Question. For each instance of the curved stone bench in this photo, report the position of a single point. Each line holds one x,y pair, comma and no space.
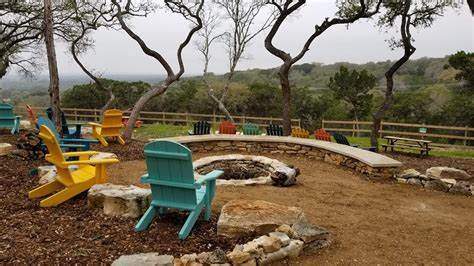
362,161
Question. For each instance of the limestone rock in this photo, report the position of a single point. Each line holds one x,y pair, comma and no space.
245,217
409,173
442,172
449,181
25,124
145,259
5,148
284,239
48,177
271,244
188,259
291,251
437,184
414,181
217,256
238,257
462,188
309,232
401,180
117,200
42,170
286,229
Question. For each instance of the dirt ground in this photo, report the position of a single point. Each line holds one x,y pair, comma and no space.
370,222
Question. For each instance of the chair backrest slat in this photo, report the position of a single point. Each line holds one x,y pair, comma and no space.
43,121
7,118
321,134
341,139
227,127
111,122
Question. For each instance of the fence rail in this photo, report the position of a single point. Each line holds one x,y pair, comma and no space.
79,114
441,135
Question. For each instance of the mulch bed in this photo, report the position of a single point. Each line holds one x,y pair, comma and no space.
73,233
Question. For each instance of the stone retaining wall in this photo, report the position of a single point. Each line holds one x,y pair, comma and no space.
293,149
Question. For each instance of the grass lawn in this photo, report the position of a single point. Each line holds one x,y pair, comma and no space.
166,130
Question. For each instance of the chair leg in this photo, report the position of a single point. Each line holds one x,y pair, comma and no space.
65,194
146,219
45,189
207,213
102,141
121,140
188,225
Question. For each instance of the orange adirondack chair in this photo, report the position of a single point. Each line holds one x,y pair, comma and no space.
226,127
321,134
110,127
68,182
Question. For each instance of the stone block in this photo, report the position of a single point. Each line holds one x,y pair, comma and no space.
118,200
437,184
5,148
145,259
442,172
284,238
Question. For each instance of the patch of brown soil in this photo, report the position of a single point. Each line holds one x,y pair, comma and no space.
423,163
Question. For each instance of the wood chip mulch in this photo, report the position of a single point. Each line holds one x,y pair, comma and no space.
73,233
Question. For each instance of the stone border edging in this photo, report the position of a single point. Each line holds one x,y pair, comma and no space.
362,161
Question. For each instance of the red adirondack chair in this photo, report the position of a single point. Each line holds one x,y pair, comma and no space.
321,134
226,127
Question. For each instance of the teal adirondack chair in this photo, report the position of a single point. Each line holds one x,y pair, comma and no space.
67,143
8,119
171,178
251,129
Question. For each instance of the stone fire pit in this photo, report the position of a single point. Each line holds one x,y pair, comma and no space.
242,170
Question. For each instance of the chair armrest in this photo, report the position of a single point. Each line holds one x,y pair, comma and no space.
144,178
94,124
80,140
209,177
80,153
101,161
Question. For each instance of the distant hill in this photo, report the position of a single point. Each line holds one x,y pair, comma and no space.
417,73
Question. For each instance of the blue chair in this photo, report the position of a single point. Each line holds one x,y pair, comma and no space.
68,143
66,131
7,119
171,178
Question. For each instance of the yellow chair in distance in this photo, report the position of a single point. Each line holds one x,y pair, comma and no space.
69,182
110,127
298,132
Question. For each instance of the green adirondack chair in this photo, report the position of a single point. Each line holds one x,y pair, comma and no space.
251,129
7,119
171,178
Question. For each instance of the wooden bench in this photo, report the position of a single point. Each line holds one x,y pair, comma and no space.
274,130
405,143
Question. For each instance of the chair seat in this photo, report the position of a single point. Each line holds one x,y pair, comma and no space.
84,173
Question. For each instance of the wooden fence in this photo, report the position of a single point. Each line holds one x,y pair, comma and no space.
442,135
78,114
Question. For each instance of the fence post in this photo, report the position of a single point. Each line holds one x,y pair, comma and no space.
214,120
381,128
322,124
75,114
353,128
465,136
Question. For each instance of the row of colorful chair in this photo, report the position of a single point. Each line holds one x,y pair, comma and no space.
170,175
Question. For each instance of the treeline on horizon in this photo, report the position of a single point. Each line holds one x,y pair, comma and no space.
426,92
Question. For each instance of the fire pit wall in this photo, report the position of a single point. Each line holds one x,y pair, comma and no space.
292,149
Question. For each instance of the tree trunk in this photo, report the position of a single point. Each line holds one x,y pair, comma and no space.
52,63
4,63
377,117
286,92
109,101
221,106
127,134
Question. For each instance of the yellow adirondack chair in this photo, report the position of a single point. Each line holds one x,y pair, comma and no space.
69,182
110,127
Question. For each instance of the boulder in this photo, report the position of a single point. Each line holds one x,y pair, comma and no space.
118,200
237,256
246,217
48,173
414,181
145,259
442,172
217,256
409,173
284,238
309,232
437,184
5,148
462,188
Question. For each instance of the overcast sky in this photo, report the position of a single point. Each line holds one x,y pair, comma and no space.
116,53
